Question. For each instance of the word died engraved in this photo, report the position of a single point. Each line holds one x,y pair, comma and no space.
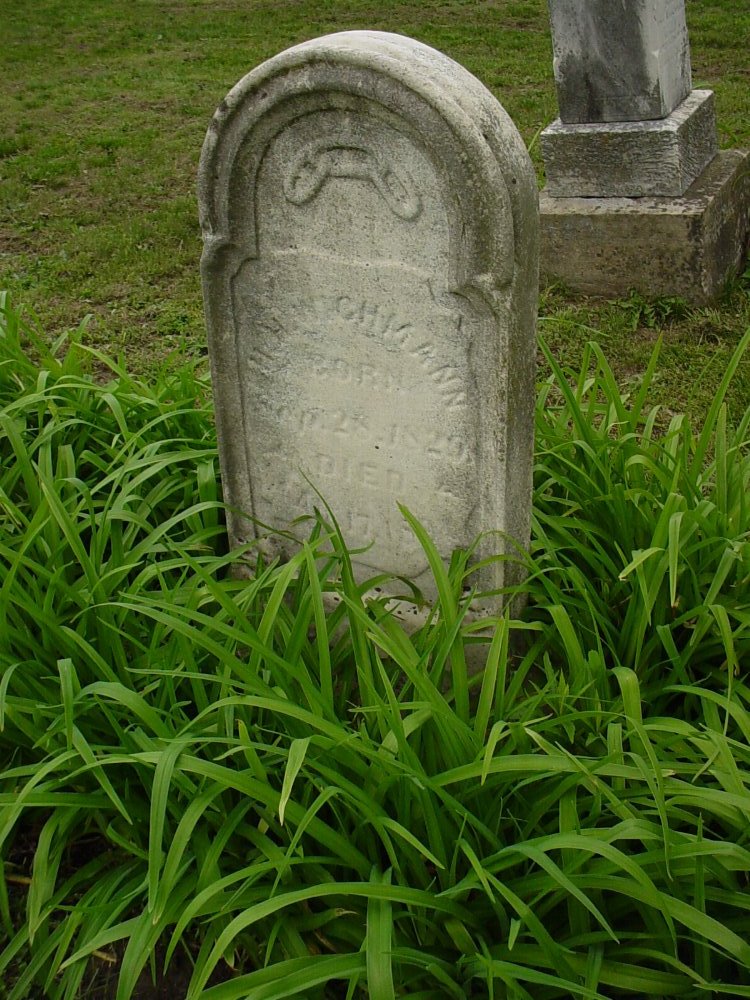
319,161
356,472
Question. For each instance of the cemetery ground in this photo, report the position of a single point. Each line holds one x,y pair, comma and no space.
104,112
271,799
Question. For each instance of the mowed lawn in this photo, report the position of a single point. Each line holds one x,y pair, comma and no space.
103,111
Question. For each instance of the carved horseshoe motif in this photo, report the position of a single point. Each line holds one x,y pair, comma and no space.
318,161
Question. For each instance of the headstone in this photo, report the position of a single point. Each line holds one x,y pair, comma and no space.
619,60
370,279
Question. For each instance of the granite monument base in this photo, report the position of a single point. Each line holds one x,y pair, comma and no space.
687,246
632,159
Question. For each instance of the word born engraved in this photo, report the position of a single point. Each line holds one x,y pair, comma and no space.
318,161
355,373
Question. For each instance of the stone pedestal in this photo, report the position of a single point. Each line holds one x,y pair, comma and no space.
687,246
632,159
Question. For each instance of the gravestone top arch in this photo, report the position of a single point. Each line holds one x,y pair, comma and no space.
370,224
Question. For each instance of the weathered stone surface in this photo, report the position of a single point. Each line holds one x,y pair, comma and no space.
370,279
619,60
686,246
632,159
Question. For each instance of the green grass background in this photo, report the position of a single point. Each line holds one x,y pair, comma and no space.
103,111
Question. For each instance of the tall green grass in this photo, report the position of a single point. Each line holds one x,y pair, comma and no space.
641,528
299,801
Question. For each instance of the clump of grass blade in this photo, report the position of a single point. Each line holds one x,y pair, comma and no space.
642,528
300,799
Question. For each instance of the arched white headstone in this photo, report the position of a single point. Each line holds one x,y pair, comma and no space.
370,221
